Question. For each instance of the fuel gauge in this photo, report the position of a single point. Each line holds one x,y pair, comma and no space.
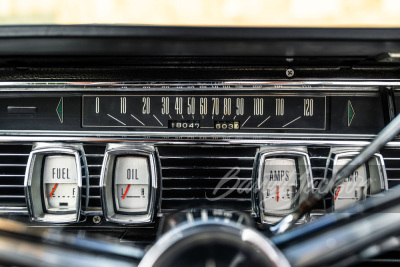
60,184
53,184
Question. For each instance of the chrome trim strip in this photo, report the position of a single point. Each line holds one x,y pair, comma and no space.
188,141
306,84
161,134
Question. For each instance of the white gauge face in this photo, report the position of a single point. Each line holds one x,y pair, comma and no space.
60,186
280,185
131,184
354,187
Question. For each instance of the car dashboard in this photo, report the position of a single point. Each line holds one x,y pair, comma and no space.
128,133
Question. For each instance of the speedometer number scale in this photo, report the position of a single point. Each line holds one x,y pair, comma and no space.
204,112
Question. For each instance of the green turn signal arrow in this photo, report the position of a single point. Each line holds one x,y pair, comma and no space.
60,109
350,113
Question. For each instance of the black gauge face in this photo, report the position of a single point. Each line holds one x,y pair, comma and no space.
209,112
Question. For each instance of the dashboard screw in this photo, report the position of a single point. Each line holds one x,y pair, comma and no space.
289,72
96,219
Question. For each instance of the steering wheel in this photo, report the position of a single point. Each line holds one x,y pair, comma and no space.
217,237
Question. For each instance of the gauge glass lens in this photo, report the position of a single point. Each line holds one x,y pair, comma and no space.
60,184
354,187
131,184
280,185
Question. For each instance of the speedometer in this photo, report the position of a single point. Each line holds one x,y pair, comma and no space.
216,112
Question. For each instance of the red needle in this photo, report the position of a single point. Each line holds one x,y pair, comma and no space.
337,193
54,189
126,191
277,194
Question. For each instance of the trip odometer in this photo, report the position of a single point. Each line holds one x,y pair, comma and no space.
212,112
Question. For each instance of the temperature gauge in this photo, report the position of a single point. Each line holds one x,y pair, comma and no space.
366,180
354,187
284,180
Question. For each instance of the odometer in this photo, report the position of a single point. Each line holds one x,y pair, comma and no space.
212,112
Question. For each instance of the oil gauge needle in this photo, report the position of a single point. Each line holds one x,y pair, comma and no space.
54,189
277,194
126,191
337,193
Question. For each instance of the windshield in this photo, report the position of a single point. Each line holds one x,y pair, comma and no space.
297,13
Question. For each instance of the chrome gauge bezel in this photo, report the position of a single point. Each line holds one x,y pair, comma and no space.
107,188
33,185
337,153
306,181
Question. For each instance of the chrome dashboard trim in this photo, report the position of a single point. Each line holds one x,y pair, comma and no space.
191,141
305,84
183,135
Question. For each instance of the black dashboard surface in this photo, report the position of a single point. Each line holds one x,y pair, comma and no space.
52,78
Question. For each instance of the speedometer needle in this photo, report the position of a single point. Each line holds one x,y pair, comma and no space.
126,191
54,189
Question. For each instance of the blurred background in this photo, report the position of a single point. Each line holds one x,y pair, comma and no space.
311,13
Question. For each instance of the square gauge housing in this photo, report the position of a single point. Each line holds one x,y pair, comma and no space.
53,185
283,180
128,185
367,180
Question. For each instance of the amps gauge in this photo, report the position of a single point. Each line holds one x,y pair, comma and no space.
53,183
366,180
283,180
129,185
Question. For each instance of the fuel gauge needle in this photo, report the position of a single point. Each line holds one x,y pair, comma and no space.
337,193
54,189
126,191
